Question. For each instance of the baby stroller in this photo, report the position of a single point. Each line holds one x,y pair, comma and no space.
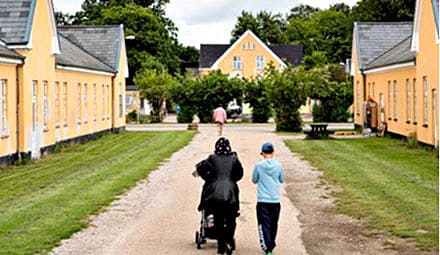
207,230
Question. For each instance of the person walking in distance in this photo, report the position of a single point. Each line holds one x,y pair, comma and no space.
268,174
220,118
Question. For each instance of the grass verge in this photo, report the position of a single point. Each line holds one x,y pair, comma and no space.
393,187
49,199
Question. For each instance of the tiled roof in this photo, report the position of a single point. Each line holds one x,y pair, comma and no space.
292,54
15,16
375,38
131,87
5,52
73,56
209,53
103,42
400,53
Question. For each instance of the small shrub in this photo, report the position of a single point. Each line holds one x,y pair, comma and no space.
411,140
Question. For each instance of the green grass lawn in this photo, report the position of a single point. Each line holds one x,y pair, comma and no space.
49,199
391,186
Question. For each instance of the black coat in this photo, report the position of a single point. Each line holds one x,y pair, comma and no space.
221,173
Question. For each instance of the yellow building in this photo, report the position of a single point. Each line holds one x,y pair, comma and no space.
57,86
247,57
395,66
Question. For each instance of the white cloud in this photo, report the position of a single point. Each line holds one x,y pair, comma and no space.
211,21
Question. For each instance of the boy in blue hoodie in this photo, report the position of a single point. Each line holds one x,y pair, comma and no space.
268,175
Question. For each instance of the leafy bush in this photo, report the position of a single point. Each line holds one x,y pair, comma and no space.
255,95
286,94
202,95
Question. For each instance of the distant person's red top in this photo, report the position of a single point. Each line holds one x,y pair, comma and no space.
220,115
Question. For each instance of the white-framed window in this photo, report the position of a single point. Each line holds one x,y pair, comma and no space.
65,104
84,101
103,101
390,100
369,89
128,100
95,103
45,105
4,105
425,100
78,101
414,101
373,89
408,100
34,105
395,99
358,97
236,63
57,104
260,62
121,102
108,102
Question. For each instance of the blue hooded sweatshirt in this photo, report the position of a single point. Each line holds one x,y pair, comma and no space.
268,175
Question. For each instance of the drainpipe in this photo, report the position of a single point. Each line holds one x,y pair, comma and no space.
113,104
17,74
364,95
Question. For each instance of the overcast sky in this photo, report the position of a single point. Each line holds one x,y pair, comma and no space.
211,21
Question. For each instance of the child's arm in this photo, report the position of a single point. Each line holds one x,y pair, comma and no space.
282,177
255,175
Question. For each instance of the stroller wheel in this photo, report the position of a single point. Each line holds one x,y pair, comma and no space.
198,240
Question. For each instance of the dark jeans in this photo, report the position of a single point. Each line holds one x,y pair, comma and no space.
267,216
224,224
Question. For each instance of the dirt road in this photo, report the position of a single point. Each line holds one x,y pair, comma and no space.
159,216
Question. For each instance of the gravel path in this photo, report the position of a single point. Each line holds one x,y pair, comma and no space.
159,216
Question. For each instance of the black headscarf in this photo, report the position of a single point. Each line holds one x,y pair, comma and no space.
222,146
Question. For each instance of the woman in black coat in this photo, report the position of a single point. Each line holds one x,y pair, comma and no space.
220,193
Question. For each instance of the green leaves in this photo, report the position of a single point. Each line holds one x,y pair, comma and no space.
155,85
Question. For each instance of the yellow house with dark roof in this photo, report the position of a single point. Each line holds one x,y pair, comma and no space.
395,66
57,89
247,58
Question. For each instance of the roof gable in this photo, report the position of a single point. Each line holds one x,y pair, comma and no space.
239,42
73,56
375,38
211,53
103,42
400,53
418,15
16,20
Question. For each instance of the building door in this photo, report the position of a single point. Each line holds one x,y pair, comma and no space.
382,108
435,115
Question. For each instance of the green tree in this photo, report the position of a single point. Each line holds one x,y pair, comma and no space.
335,38
156,87
255,96
267,26
302,11
202,95
286,92
383,10
335,94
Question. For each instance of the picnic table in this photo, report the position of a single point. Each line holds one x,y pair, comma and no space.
318,129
